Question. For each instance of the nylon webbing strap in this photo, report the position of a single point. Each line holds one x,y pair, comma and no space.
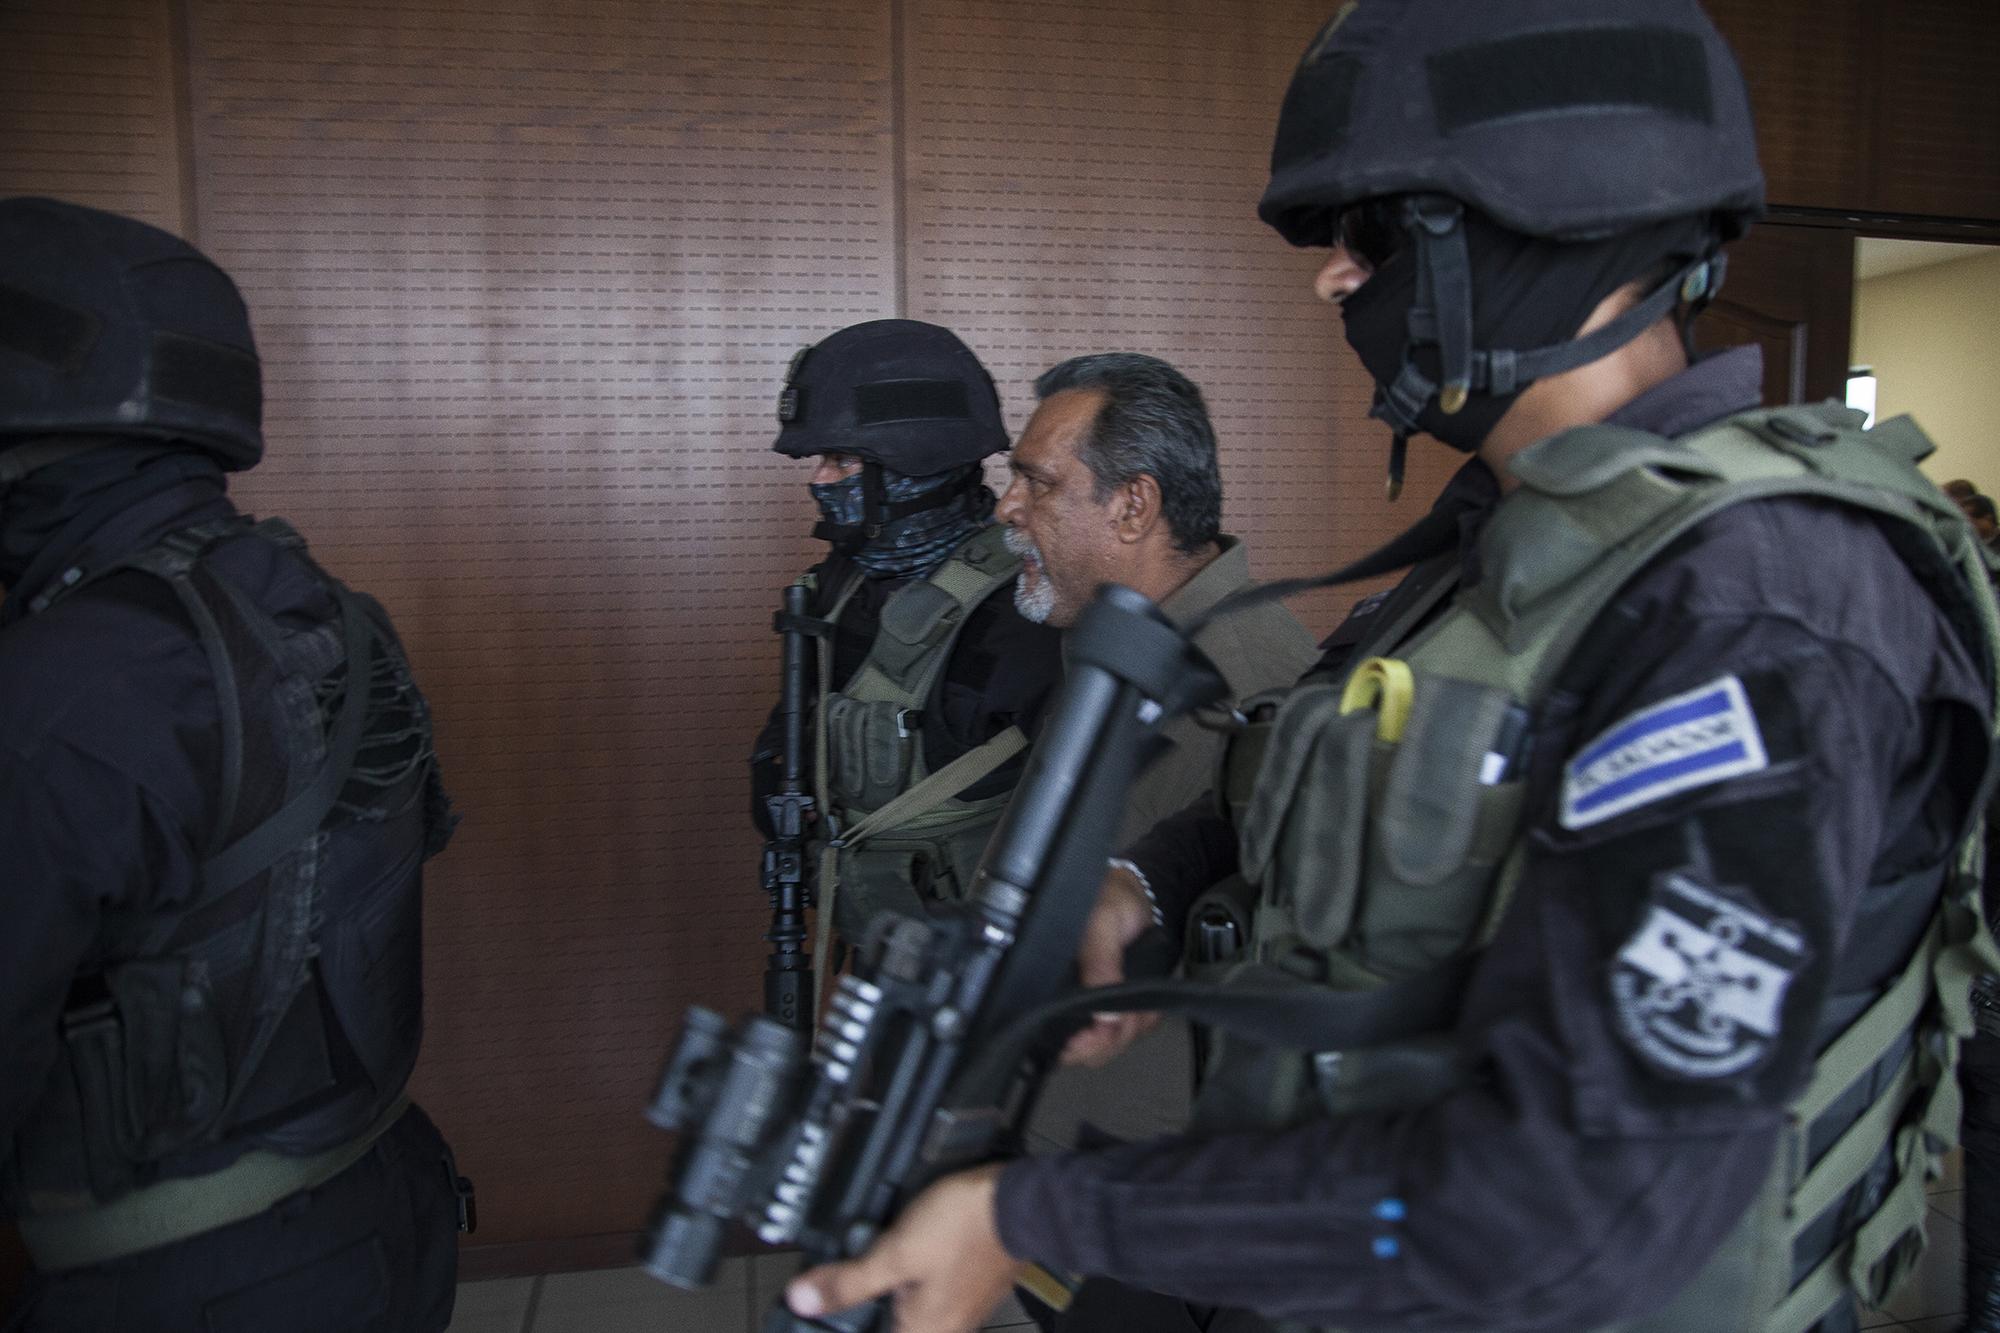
1850,1156
938,788
915,803
827,884
301,816
1435,532
1853,1053
1850,1268
174,1210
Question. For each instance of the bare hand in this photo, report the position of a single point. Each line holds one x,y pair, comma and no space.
1122,912
942,1260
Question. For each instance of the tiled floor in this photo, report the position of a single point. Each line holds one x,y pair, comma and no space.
625,1300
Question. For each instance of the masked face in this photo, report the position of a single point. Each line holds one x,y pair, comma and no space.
1527,293
841,502
933,515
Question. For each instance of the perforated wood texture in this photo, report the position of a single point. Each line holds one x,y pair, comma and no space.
527,278
1084,179
1882,106
91,105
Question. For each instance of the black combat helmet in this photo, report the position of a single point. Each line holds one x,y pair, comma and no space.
1566,121
900,393
112,327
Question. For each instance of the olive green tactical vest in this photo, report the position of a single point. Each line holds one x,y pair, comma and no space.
901,833
1383,831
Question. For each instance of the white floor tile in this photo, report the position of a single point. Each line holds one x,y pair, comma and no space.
628,1300
1938,1286
768,1275
499,1305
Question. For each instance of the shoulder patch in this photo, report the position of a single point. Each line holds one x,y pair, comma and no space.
1698,991
1705,735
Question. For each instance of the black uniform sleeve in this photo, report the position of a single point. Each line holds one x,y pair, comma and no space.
1183,855
1617,1118
1004,670
74,829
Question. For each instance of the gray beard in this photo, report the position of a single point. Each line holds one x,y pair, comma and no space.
1039,603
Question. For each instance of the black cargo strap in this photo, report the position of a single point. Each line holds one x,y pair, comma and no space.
301,816
1434,533
786,622
1284,1015
176,560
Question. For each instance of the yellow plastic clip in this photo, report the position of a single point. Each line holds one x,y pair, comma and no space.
1053,1290
1387,686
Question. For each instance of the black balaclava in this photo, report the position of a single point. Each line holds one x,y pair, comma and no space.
914,541
49,515
1527,293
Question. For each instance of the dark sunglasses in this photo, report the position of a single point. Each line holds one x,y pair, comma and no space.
1372,230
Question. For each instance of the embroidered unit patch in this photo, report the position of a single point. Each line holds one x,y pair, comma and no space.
1687,741
1699,988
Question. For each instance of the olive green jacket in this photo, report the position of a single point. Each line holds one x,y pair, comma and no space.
1258,648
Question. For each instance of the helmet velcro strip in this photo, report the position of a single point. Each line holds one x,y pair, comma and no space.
1572,69
57,335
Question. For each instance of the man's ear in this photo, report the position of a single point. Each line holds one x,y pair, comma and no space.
1137,508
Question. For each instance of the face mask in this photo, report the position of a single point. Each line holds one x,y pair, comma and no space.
914,542
1527,293
841,503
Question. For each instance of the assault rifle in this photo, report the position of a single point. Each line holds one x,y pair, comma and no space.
788,977
931,1052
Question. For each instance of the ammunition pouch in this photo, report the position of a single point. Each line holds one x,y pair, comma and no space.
871,748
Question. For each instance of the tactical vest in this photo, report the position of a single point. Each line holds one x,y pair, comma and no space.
902,835
1383,836
250,1042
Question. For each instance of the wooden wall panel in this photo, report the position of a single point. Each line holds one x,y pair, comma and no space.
1084,179
527,277
1938,148
1805,62
89,106
1873,106
527,274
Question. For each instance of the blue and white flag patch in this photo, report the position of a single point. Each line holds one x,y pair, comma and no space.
1691,740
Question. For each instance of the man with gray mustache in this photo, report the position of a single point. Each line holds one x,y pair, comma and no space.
1115,481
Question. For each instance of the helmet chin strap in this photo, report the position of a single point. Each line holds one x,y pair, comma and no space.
1441,317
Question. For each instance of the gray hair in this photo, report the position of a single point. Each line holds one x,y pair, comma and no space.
1153,423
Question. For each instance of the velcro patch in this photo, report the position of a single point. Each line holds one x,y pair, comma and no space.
1690,740
1699,988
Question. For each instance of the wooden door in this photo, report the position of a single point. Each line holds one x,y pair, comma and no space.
1790,290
